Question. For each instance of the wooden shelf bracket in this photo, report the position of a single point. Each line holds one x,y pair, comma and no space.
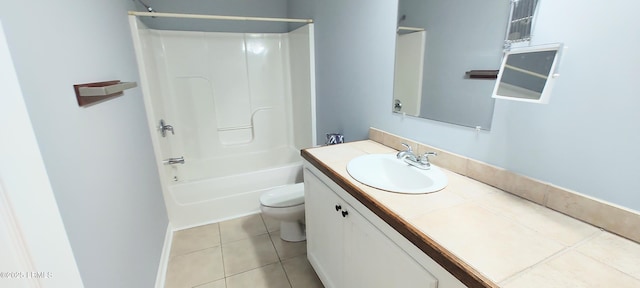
91,93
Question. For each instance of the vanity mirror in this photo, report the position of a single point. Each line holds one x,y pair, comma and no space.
458,36
527,74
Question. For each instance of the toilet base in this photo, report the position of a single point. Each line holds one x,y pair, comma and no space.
292,231
291,221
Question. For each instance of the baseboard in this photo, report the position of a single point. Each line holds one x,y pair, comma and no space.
164,257
217,220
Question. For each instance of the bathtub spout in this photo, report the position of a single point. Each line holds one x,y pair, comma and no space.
172,161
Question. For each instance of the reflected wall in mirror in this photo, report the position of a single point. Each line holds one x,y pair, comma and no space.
459,36
527,74
407,88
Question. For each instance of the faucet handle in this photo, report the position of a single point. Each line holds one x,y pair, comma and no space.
164,128
407,146
425,157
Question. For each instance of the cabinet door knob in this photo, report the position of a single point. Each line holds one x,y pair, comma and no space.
338,207
345,213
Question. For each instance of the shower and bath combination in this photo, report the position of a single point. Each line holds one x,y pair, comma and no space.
236,109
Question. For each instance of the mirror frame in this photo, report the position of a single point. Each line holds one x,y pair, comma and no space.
551,76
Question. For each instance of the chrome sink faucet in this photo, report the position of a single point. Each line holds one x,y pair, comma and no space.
420,162
406,153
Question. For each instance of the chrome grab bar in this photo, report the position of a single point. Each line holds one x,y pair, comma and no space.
173,161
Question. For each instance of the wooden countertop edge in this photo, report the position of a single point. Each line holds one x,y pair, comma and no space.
458,268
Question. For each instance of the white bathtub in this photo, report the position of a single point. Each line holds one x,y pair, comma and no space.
212,200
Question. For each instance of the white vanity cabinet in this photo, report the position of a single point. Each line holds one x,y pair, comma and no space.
346,249
325,230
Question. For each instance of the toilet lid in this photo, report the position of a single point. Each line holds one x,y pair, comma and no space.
285,196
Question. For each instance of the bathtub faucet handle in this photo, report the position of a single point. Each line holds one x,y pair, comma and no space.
165,127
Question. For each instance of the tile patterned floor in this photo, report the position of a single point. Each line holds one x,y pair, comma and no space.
243,252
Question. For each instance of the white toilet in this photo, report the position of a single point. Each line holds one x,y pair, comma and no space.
286,204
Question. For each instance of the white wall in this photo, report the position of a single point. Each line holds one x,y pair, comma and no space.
409,65
585,139
354,42
99,159
29,241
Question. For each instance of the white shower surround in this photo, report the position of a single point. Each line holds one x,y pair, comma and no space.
242,106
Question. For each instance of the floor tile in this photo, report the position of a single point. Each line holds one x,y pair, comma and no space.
286,249
194,239
243,255
615,251
215,284
272,224
242,228
573,269
269,276
300,273
195,268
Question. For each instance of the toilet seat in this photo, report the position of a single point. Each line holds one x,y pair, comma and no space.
285,196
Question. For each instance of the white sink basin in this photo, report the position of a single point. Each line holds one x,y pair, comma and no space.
386,172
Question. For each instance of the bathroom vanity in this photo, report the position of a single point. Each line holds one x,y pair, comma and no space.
467,235
349,245
347,250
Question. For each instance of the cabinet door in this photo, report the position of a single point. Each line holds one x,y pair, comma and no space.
373,260
366,256
346,250
324,227
406,272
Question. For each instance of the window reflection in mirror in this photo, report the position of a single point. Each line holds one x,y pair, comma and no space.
527,74
460,36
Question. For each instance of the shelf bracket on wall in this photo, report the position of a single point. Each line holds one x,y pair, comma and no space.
481,74
91,93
